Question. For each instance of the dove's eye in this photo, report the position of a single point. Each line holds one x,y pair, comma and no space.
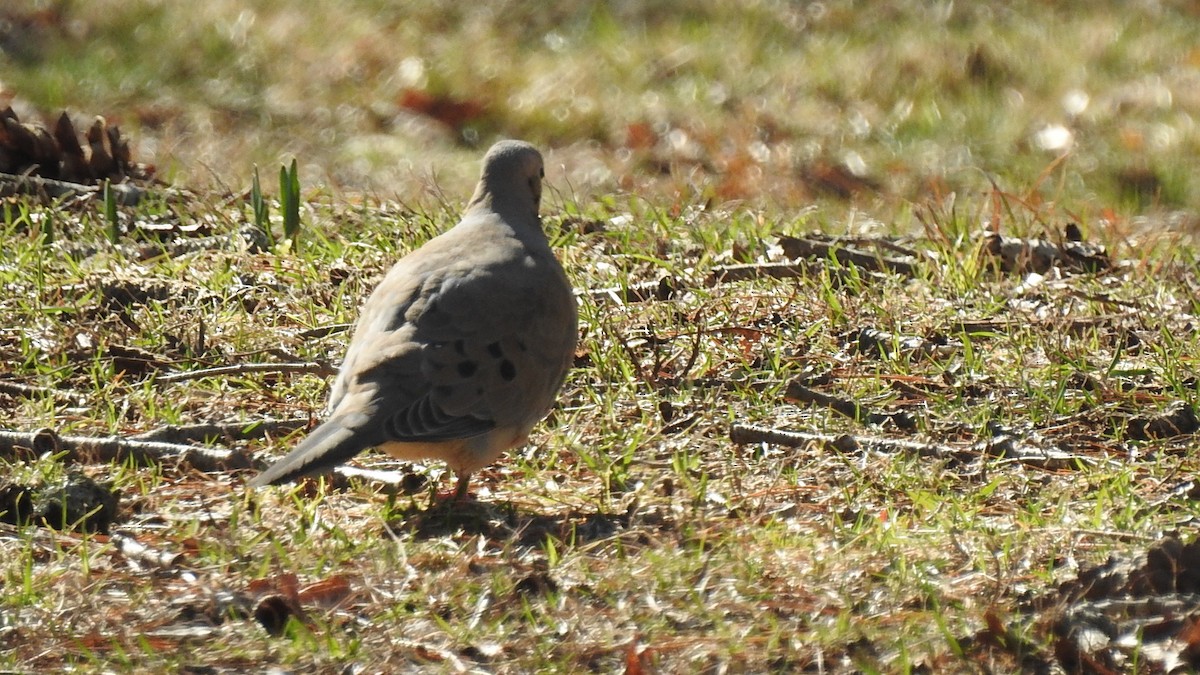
541,173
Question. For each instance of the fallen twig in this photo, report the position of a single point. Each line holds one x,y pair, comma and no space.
1030,449
34,391
773,270
317,368
392,482
744,434
11,184
46,539
92,449
797,392
140,553
878,343
1072,325
232,431
322,331
1001,447
803,247
890,243
668,287
1022,256
248,237
663,289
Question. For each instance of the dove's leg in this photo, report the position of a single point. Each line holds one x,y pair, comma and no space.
460,491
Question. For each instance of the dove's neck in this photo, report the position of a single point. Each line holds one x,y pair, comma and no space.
513,207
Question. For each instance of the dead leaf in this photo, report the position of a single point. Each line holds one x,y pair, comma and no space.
326,593
454,113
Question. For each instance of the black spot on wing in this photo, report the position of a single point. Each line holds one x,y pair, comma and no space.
507,370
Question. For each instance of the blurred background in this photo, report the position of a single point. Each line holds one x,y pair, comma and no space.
874,106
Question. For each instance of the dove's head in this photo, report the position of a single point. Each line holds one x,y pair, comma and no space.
511,183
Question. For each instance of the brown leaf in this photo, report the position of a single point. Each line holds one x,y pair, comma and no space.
450,111
633,659
287,583
327,592
996,632
640,136
1190,635
837,180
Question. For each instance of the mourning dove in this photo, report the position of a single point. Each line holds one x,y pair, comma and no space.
462,347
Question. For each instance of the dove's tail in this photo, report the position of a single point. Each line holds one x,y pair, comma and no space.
329,445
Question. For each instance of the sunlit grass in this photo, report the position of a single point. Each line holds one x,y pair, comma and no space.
680,138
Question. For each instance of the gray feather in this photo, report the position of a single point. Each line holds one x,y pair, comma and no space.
327,446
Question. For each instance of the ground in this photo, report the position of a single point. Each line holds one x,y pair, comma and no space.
887,356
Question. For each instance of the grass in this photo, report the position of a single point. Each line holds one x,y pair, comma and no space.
620,532
715,101
632,534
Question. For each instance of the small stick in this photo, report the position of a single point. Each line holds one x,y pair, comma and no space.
663,289
1073,325
247,368
890,243
799,393
1003,448
11,184
136,551
93,449
322,331
248,236
744,434
771,270
669,287
34,391
234,431
799,247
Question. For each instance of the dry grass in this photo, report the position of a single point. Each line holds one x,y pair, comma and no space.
633,534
